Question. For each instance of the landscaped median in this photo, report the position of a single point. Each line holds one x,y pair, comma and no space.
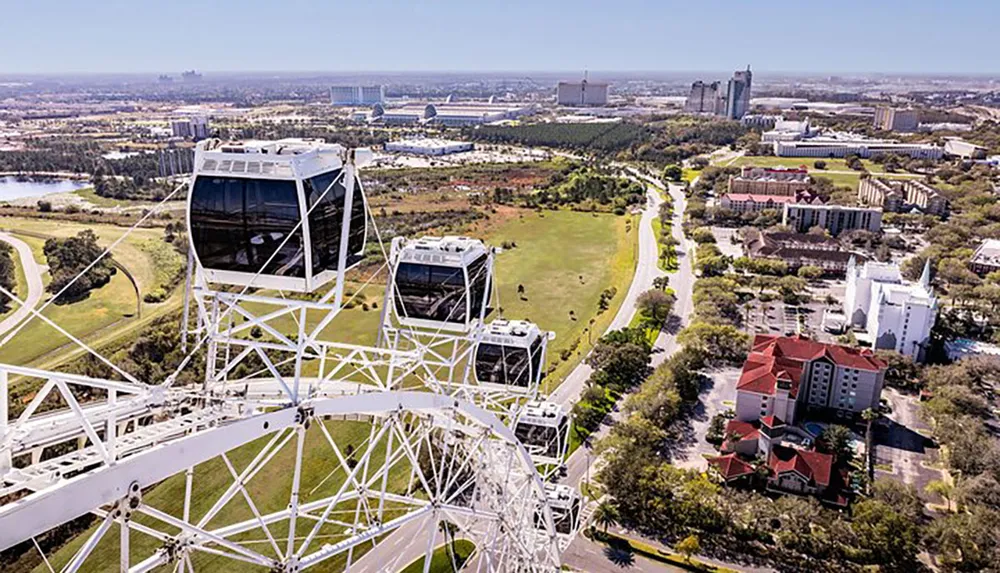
627,544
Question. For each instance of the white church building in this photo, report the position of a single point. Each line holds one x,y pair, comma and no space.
893,314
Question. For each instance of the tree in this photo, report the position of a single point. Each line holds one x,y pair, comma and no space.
819,164
606,515
688,547
810,273
8,275
656,304
721,343
702,235
836,439
67,258
942,488
673,173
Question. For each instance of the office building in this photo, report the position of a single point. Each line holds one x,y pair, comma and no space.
428,146
195,127
449,114
891,314
770,181
782,376
582,93
892,119
762,122
787,130
357,95
738,94
705,98
842,146
986,259
835,219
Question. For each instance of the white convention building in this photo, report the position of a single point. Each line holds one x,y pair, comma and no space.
893,314
428,146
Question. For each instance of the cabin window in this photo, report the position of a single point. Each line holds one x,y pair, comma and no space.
237,224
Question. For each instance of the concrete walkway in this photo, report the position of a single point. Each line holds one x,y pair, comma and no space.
33,274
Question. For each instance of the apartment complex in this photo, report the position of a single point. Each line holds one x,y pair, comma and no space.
357,95
892,119
799,250
892,314
895,195
833,218
582,93
783,376
986,259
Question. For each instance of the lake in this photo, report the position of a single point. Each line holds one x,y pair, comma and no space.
11,188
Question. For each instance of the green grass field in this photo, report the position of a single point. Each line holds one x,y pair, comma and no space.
564,260
843,175
144,253
441,560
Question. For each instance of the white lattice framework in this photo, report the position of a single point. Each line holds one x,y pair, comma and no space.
439,447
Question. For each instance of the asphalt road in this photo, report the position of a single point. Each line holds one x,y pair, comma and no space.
682,281
410,541
33,273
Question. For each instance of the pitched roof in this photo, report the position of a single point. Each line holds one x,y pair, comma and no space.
730,466
803,349
745,430
762,372
771,421
814,466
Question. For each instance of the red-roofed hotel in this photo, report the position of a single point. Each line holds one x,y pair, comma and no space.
781,375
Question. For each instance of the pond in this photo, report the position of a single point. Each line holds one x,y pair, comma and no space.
12,188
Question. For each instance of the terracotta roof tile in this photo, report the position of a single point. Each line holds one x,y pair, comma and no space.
814,466
730,466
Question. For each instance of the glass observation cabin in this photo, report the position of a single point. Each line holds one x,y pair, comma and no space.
543,428
564,502
441,283
511,354
278,208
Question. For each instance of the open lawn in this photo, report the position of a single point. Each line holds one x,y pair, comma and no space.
836,169
564,260
143,253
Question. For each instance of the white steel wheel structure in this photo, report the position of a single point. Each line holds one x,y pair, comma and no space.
295,450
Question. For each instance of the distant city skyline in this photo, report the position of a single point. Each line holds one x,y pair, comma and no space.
780,36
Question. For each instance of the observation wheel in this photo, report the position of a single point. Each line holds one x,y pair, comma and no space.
299,449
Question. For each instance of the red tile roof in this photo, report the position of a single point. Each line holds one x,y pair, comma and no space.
773,358
802,348
746,430
730,466
771,421
814,466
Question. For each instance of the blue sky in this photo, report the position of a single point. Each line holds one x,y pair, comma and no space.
949,36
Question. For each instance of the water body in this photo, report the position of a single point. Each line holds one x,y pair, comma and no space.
11,188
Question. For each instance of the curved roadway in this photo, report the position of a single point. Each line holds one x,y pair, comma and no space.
33,274
410,542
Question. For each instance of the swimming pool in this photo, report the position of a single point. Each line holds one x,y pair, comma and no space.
814,428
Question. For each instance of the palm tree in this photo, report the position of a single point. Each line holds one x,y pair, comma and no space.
606,515
449,529
869,416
